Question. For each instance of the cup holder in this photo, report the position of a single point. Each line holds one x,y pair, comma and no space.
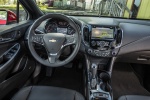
103,90
105,87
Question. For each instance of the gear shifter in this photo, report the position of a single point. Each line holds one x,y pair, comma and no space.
94,73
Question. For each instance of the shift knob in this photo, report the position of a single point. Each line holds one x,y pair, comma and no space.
94,70
105,77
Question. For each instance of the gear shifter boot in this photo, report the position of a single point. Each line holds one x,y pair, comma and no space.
93,83
94,76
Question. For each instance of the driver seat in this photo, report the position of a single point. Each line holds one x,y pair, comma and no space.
47,93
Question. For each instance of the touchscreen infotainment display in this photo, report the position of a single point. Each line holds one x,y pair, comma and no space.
102,33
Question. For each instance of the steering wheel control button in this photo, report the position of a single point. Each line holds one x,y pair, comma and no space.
37,39
70,39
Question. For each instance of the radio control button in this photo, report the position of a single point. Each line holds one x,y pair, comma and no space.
106,43
103,54
96,52
101,43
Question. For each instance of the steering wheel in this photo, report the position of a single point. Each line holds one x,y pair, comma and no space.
54,43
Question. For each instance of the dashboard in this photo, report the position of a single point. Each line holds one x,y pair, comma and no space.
100,36
58,26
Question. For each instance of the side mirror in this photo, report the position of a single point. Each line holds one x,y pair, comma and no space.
7,17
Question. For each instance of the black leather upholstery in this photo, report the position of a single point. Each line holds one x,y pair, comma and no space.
134,97
47,93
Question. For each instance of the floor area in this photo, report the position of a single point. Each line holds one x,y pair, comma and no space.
70,78
125,82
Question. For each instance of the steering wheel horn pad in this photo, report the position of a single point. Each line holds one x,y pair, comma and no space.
54,42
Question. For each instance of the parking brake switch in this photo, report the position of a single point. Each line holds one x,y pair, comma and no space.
94,73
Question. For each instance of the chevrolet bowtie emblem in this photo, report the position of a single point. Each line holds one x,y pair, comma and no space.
52,40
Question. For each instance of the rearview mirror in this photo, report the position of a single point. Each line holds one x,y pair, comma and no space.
7,17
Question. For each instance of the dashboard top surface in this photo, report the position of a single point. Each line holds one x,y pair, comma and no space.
98,21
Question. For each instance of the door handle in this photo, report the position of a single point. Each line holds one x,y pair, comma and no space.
144,58
4,39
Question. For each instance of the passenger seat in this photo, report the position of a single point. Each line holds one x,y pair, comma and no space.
134,97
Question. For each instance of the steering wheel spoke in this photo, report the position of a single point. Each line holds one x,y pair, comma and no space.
70,40
53,58
38,38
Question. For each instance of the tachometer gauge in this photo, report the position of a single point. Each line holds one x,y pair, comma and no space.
51,27
70,30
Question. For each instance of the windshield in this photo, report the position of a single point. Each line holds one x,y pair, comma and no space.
137,9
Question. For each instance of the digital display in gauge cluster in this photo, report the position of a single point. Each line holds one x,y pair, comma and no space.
62,30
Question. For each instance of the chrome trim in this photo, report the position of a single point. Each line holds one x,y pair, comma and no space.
98,89
111,65
39,31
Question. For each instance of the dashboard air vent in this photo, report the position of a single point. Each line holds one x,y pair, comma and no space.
119,37
86,34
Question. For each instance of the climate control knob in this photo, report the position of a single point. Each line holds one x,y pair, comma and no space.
93,43
101,43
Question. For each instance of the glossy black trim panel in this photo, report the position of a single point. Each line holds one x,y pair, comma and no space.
17,26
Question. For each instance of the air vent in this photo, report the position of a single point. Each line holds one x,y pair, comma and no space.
86,33
119,37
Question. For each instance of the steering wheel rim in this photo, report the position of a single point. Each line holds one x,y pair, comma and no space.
32,36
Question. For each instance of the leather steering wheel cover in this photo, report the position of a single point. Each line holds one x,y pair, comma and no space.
77,36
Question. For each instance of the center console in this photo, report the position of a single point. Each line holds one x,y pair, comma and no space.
99,84
101,47
102,41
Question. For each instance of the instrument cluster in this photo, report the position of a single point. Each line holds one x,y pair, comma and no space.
58,26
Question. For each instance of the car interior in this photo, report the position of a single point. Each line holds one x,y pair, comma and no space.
53,56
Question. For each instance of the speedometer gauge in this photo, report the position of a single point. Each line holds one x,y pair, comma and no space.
51,27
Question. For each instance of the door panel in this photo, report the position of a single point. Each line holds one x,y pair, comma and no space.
7,61
16,80
15,66
5,47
